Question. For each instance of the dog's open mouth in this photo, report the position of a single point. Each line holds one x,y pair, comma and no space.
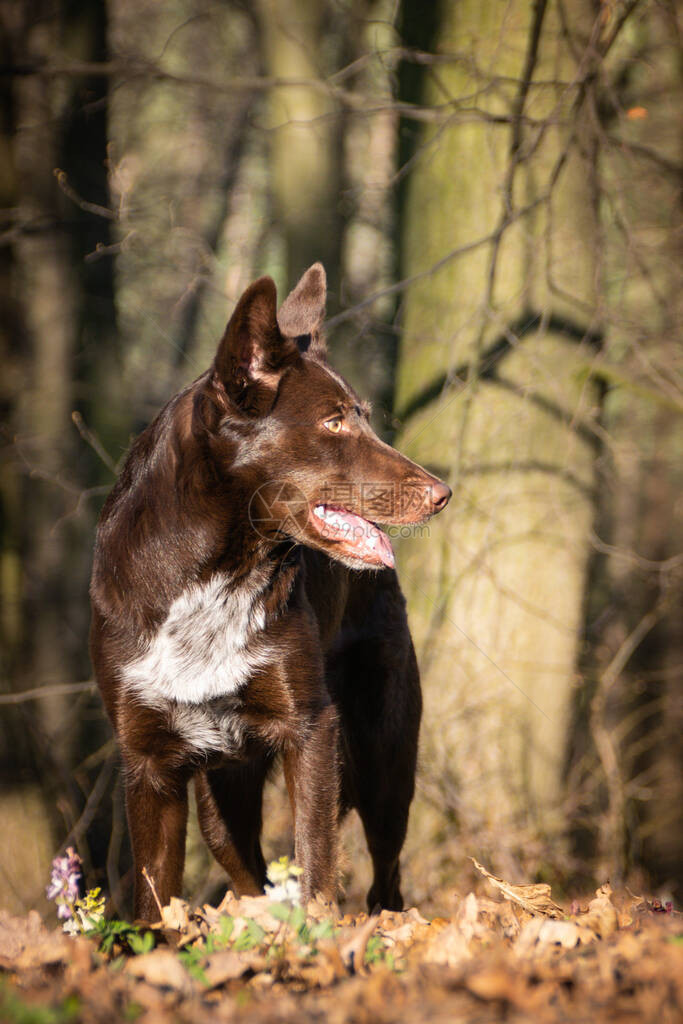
357,537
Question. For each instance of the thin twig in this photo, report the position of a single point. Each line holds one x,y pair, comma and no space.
614,821
626,13
150,882
90,438
39,692
83,204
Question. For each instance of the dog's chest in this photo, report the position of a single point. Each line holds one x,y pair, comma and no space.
209,645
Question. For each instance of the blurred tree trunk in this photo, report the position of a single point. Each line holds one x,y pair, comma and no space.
304,139
364,337
61,324
48,289
24,812
494,394
12,343
634,816
190,213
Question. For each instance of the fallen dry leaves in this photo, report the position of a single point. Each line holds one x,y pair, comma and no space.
534,898
518,956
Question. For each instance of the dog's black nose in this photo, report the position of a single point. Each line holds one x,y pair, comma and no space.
440,495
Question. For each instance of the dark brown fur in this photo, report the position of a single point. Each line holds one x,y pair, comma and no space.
331,680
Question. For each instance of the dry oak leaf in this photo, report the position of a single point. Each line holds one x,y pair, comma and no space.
322,971
533,898
177,923
210,914
601,916
329,950
253,908
25,942
82,960
449,947
162,969
16,933
541,931
492,980
322,909
468,918
405,927
227,965
353,947
225,906
497,984
176,915
414,915
499,917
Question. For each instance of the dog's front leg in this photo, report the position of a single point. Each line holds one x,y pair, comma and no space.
157,819
312,775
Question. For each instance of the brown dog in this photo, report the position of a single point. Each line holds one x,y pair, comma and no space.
232,620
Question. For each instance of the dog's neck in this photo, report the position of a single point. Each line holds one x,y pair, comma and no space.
200,512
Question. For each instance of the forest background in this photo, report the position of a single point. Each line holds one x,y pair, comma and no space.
495,191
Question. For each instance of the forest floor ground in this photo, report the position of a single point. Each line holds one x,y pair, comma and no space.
500,953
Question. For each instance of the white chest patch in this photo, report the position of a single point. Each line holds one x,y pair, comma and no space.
206,729
208,646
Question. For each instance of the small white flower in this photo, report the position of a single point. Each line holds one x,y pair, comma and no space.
283,877
287,891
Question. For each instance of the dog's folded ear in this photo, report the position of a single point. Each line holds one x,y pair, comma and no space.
253,352
303,311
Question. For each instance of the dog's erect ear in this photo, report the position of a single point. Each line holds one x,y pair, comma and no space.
253,352
303,311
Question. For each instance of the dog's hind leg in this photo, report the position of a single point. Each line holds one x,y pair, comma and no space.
229,805
375,680
383,801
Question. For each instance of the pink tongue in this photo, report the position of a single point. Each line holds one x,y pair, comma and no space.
359,534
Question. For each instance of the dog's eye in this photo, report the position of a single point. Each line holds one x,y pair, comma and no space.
335,424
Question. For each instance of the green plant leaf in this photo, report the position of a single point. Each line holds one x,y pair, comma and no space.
252,936
226,929
141,943
321,930
280,911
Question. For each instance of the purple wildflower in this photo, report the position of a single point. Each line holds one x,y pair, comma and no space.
65,881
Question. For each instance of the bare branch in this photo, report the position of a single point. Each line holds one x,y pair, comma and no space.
90,438
40,692
100,211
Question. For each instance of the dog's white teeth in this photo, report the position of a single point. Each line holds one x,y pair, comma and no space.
329,516
334,519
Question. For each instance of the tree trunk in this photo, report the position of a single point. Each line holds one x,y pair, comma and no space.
635,808
364,337
304,139
500,326
48,289
61,324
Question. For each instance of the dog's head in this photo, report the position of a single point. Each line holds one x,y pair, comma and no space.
298,437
